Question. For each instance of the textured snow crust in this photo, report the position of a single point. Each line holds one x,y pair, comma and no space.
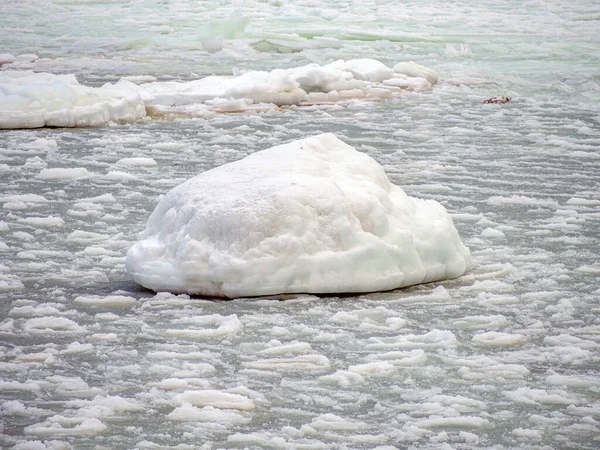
313,215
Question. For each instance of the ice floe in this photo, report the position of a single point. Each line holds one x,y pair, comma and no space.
32,100
313,83
313,215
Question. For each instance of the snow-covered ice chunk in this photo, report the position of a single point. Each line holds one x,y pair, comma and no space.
44,222
215,399
313,215
110,301
59,173
66,426
227,326
302,363
50,323
139,161
498,339
190,413
532,396
32,100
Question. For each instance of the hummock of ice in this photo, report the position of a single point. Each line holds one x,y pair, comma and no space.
339,80
31,100
313,216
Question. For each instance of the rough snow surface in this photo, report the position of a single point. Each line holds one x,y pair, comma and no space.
313,215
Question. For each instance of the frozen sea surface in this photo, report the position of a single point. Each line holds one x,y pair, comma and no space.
506,356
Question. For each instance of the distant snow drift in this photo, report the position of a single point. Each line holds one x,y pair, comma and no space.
313,216
32,100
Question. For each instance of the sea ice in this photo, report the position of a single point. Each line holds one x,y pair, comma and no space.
313,215
338,80
32,100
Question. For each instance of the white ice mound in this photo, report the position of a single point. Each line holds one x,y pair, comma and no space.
313,215
32,100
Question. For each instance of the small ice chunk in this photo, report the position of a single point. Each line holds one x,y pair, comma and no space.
498,339
377,368
302,364
527,433
413,69
369,69
27,57
67,426
531,396
109,301
493,233
139,79
118,175
6,58
43,222
190,413
27,198
50,323
215,399
144,162
409,83
59,174
32,100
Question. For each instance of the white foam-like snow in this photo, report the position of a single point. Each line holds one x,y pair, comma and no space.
313,215
32,100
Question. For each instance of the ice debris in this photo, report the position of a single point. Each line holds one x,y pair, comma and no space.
32,100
